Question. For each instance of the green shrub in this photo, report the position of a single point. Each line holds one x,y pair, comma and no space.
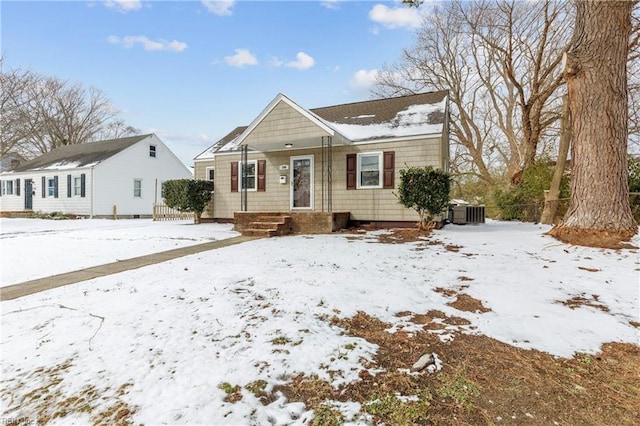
187,195
426,190
525,200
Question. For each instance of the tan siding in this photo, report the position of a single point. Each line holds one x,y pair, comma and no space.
364,204
283,122
200,168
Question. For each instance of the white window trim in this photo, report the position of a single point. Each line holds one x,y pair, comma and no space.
153,149
255,180
73,186
8,188
206,174
51,187
134,188
380,170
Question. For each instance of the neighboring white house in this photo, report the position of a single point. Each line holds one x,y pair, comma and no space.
119,177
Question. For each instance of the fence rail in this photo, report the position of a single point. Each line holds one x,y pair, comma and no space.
164,212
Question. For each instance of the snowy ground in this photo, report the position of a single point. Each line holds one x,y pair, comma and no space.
170,334
33,248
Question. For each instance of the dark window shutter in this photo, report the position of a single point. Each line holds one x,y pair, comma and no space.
1,188
44,187
262,175
55,186
389,160
234,176
351,171
68,186
18,187
83,182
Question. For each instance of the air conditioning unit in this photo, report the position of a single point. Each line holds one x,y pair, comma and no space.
461,215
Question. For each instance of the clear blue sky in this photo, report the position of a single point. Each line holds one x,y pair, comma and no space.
191,71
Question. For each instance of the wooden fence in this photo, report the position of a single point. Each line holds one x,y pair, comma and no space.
164,212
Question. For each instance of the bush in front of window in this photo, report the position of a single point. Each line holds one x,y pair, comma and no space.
426,190
187,195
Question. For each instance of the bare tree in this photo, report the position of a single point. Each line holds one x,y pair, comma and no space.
596,74
41,113
500,62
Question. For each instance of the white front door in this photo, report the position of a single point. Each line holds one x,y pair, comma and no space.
302,182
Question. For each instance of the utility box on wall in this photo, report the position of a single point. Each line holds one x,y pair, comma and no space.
283,179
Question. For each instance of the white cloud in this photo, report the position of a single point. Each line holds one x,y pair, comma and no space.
242,58
397,17
123,6
302,62
147,44
331,4
361,81
219,7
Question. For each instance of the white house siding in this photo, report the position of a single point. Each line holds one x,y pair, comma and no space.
113,179
63,203
364,204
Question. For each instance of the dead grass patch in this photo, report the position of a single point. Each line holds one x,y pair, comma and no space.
483,382
581,301
464,302
49,401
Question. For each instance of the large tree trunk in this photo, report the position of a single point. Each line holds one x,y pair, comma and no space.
597,83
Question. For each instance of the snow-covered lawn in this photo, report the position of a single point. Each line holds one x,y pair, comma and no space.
34,248
163,338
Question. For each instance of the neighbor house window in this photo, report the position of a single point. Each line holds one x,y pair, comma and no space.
7,187
152,151
370,170
137,188
209,174
251,175
77,185
51,187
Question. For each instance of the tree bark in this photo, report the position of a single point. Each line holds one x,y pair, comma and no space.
596,77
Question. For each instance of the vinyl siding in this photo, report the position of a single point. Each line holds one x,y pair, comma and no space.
364,204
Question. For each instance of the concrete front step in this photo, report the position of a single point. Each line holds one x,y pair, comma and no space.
265,225
269,226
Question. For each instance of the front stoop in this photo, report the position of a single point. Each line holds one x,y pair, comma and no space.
269,226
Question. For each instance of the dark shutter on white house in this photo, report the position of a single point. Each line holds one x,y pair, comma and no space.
18,187
55,187
68,186
83,181
44,187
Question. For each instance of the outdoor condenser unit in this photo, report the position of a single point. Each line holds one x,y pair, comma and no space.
461,215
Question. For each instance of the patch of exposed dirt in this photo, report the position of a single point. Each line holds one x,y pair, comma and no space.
403,235
580,301
484,382
464,302
594,237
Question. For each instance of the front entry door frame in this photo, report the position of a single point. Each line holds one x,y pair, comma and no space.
302,187
28,194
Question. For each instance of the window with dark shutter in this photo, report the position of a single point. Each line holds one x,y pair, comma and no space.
68,186
55,187
389,160
262,171
234,176
351,171
18,187
44,187
83,181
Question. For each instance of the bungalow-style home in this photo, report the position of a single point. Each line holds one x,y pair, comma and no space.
325,166
118,178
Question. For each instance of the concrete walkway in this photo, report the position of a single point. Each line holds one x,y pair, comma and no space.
41,284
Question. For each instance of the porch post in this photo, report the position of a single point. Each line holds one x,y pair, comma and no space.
244,178
329,174
322,179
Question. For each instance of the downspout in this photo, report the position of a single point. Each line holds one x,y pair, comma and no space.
92,197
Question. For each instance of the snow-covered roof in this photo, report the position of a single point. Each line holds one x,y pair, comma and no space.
403,116
79,156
